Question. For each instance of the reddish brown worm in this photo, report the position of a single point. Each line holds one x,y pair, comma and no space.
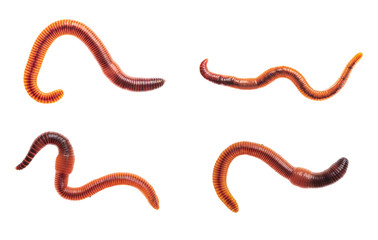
90,39
64,165
280,72
298,176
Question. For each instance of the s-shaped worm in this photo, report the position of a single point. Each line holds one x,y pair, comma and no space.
90,39
64,166
277,72
298,176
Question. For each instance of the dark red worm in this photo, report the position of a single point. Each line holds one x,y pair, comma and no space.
280,72
298,176
90,39
64,165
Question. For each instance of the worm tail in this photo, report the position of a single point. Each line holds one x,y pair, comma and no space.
37,145
306,90
65,159
212,77
298,176
304,178
102,183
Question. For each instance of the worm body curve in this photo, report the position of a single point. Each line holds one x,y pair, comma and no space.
280,72
94,44
298,176
64,165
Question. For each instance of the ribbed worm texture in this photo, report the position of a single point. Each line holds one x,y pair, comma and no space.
280,72
64,166
298,176
90,39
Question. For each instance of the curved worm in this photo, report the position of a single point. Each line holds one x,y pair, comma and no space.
90,39
298,176
277,72
64,166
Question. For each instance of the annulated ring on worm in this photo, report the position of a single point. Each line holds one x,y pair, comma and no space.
298,176
110,68
280,72
64,165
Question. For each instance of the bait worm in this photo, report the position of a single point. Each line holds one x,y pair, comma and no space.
90,39
298,176
280,72
64,165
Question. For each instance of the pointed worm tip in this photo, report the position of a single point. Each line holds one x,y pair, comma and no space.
233,207
235,210
205,61
156,206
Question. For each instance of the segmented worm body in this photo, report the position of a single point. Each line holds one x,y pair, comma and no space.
280,72
298,176
90,39
64,165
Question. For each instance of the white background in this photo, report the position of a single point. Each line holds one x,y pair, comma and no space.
172,136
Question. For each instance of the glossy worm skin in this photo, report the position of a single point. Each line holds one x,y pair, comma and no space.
281,72
90,39
64,165
298,176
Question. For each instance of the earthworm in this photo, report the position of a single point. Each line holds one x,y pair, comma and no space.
90,39
64,165
277,72
298,176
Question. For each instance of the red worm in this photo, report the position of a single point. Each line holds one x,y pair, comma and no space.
64,166
298,176
277,72
90,39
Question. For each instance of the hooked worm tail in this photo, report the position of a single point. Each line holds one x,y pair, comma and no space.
64,166
277,72
90,39
298,176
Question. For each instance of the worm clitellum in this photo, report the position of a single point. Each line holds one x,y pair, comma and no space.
90,39
64,165
281,72
298,176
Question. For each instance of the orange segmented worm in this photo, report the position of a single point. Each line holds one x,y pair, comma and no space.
298,176
90,39
277,72
64,166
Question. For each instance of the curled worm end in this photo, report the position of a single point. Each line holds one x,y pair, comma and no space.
50,97
228,200
207,74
